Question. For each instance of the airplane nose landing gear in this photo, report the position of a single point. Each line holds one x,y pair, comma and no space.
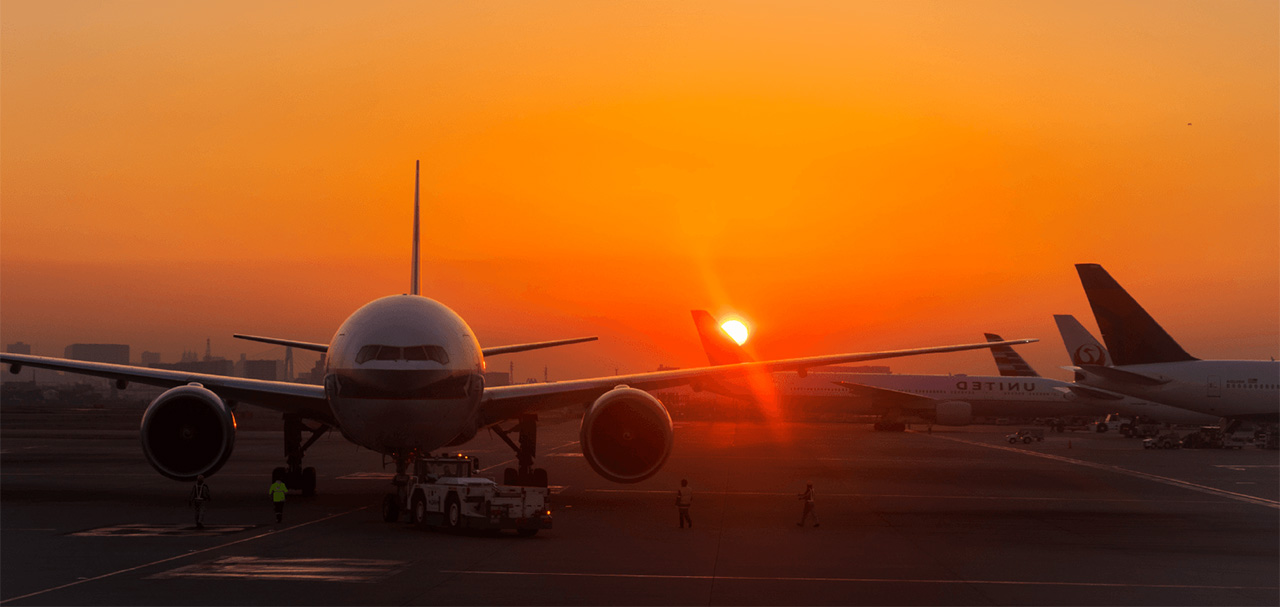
526,475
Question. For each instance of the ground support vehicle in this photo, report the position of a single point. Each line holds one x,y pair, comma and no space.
1168,440
447,492
1213,437
1026,436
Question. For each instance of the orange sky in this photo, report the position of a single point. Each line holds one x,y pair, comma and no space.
847,176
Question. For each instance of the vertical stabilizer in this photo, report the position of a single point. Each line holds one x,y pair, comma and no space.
1081,345
1010,363
720,348
1131,335
413,271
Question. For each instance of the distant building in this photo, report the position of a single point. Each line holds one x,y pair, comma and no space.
260,369
315,375
497,378
150,358
18,348
99,353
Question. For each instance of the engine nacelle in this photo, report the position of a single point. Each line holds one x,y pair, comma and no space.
953,413
626,435
188,431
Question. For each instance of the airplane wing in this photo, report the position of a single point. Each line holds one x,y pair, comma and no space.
506,402
534,346
1119,375
315,347
905,399
1090,393
304,399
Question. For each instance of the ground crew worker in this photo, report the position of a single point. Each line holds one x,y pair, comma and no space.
199,497
684,498
277,492
807,496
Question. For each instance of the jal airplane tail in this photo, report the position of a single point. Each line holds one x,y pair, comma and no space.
1081,346
720,348
1010,363
1132,336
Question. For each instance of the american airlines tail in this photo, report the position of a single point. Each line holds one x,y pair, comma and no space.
720,348
1081,346
1010,363
1132,336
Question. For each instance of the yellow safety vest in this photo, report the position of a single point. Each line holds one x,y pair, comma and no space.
278,491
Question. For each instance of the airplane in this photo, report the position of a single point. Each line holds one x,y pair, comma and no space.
1147,363
1081,346
948,400
404,377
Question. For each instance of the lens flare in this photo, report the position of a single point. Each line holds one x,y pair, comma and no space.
736,330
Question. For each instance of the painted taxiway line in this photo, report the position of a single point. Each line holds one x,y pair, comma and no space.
1000,498
182,556
855,580
512,461
1173,482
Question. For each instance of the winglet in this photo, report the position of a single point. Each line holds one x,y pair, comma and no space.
413,272
1132,336
1010,363
720,348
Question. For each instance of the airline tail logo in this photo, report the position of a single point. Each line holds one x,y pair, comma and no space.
1089,354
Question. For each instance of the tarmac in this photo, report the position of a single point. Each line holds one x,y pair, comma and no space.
955,516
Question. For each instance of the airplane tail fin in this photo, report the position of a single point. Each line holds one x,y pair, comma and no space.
413,271
1010,363
720,348
1081,346
1132,336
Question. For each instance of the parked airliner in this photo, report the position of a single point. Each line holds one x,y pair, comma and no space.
403,377
1147,363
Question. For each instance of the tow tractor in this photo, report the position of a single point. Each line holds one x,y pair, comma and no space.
447,492
1026,435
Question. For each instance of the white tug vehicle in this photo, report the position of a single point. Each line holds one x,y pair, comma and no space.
446,492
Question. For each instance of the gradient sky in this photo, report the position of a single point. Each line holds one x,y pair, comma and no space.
846,176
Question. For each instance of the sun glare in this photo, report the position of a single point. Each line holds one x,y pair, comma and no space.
736,330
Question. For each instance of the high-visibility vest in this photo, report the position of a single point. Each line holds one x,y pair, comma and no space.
278,491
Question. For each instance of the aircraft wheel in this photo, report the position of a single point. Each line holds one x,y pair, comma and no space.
539,477
390,508
308,482
418,511
510,477
453,512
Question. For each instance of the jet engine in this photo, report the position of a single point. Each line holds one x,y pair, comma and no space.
188,431
953,413
626,435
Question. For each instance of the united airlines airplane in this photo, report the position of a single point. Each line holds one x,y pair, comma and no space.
1147,363
404,377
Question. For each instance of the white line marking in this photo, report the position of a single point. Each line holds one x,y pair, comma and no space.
750,578
911,496
307,569
182,556
1239,497
1243,466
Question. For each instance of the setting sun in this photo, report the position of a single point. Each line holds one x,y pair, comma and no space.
736,330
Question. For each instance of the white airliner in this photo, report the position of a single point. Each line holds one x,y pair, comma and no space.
1081,346
1147,363
403,377
949,400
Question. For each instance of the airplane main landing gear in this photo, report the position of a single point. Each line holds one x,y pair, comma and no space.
526,475
391,501
293,474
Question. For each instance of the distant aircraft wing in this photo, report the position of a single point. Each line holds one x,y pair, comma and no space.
304,399
305,345
885,395
506,402
534,346
1119,375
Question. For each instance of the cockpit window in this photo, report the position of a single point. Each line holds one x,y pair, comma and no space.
379,352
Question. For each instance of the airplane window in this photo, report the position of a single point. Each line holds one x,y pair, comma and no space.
416,353
389,353
438,354
367,353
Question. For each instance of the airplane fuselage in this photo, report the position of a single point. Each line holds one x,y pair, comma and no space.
404,374
1221,388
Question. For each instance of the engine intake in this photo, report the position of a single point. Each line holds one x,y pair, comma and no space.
626,435
188,431
953,413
